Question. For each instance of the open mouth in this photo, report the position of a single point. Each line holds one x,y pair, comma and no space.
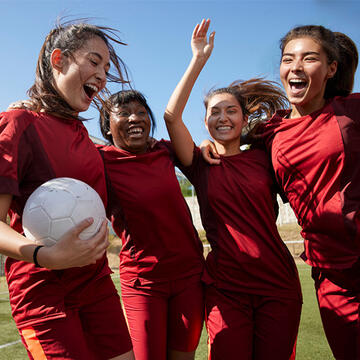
90,90
297,84
135,131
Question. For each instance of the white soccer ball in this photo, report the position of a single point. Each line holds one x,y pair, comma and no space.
57,206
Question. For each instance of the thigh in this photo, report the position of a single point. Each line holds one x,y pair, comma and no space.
146,314
186,314
339,310
276,327
103,321
57,339
229,322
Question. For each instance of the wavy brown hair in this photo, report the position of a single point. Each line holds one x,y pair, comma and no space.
259,99
69,37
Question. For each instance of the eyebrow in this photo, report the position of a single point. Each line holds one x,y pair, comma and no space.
99,56
230,106
304,54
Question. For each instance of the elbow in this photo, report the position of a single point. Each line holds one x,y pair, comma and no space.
169,117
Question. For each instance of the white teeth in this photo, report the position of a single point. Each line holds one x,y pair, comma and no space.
92,87
135,130
297,81
223,128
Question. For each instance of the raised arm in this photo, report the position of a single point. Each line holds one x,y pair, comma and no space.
179,134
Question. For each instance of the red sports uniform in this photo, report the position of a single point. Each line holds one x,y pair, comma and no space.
316,159
161,259
36,147
250,273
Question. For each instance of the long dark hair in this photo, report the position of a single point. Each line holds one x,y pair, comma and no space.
118,99
69,37
337,47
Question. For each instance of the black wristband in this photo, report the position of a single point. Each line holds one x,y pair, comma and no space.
35,255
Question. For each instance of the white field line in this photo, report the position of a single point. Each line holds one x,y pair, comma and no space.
10,344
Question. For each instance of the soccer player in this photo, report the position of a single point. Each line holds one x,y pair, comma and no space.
161,259
62,297
253,296
315,150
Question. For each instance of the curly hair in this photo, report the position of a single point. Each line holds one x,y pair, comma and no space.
118,99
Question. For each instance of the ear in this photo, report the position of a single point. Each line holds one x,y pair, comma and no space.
57,59
332,69
246,120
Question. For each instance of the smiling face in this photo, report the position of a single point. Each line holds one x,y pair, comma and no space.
130,127
224,121
304,71
80,76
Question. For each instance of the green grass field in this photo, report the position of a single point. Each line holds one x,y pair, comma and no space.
312,344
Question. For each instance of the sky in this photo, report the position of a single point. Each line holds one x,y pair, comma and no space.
158,35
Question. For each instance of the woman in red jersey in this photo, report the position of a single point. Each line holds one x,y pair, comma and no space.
62,297
253,296
161,259
315,150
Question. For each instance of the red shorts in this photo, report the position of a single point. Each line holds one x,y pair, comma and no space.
164,316
338,295
96,329
244,326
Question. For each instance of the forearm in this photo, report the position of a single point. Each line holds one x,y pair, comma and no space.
180,96
15,245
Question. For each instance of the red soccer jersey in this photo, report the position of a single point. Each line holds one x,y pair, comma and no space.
36,147
316,159
236,201
151,216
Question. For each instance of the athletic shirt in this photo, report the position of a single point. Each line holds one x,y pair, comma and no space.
236,201
316,159
150,215
37,147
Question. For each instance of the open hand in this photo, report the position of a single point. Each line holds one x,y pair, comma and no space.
200,46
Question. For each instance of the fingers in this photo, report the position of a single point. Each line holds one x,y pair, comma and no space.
101,239
77,229
209,153
195,30
211,39
201,29
20,104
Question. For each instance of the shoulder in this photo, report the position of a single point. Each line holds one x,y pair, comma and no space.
16,121
347,105
18,115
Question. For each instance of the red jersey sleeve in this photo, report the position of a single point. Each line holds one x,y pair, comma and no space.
15,149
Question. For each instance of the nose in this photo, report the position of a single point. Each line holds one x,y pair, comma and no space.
222,116
297,65
101,77
133,117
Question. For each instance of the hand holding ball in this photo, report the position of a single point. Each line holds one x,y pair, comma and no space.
57,206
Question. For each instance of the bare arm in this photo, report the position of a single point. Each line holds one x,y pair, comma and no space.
69,251
179,134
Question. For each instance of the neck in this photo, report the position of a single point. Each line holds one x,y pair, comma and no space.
228,149
303,110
